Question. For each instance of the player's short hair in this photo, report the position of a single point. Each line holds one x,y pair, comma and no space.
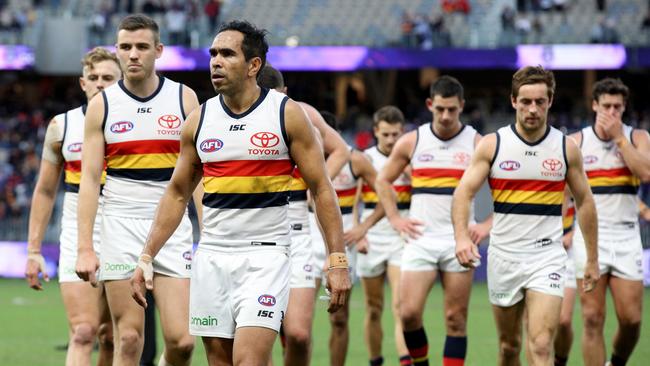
390,114
136,22
610,86
96,55
270,78
254,43
533,75
330,119
447,86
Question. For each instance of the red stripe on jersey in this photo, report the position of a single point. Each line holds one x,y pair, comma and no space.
346,192
571,211
401,189
437,173
526,185
296,173
73,166
610,173
247,168
143,147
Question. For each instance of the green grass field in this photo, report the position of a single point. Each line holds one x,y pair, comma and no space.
33,323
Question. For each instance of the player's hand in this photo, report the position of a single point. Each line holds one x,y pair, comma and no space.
142,279
355,234
467,253
612,125
87,266
34,266
338,285
478,232
363,245
407,227
590,279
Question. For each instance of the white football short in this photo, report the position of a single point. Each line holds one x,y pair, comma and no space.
383,251
122,240
570,277
302,260
432,253
320,251
510,276
68,247
232,288
619,254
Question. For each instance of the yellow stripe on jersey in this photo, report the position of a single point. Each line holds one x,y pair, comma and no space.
535,197
346,201
446,182
403,197
261,184
628,180
142,161
298,184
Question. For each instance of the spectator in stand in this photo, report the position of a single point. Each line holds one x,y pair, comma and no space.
440,36
406,26
212,10
176,20
601,5
422,32
508,32
460,6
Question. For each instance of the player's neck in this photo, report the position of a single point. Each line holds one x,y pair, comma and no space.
600,133
241,102
446,132
143,88
384,150
531,136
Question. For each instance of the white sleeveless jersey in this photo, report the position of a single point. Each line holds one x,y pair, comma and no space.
142,145
72,125
298,210
527,182
246,172
612,183
345,185
401,186
437,166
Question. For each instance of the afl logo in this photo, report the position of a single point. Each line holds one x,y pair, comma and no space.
121,127
509,165
265,139
590,159
552,165
211,145
76,147
187,255
425,157
169,121
554,276
266,300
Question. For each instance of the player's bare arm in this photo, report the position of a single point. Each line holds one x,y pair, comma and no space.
585,210
42,205
334,146
171,208
478,170
363,168
637,155
397,162
92,165
190,103
480,230
309,159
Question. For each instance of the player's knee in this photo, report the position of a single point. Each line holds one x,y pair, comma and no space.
181,347
593,318
130,342
541,345
299,339
630,323
374,309
411,318
105,335
565,323
339,319
455,321
83,334
509,348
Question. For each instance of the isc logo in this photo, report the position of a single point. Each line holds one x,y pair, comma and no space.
266,300
265,314
211,145
509,165
121,127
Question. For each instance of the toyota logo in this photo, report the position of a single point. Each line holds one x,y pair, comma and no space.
265,139
169,121
552,164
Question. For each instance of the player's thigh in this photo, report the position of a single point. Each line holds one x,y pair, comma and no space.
300,310
457,288
593,302
82,302
172,299
508,321
414,288
543,313
373,290
394,275
568,304
126,313
253,346
218,350
628,299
